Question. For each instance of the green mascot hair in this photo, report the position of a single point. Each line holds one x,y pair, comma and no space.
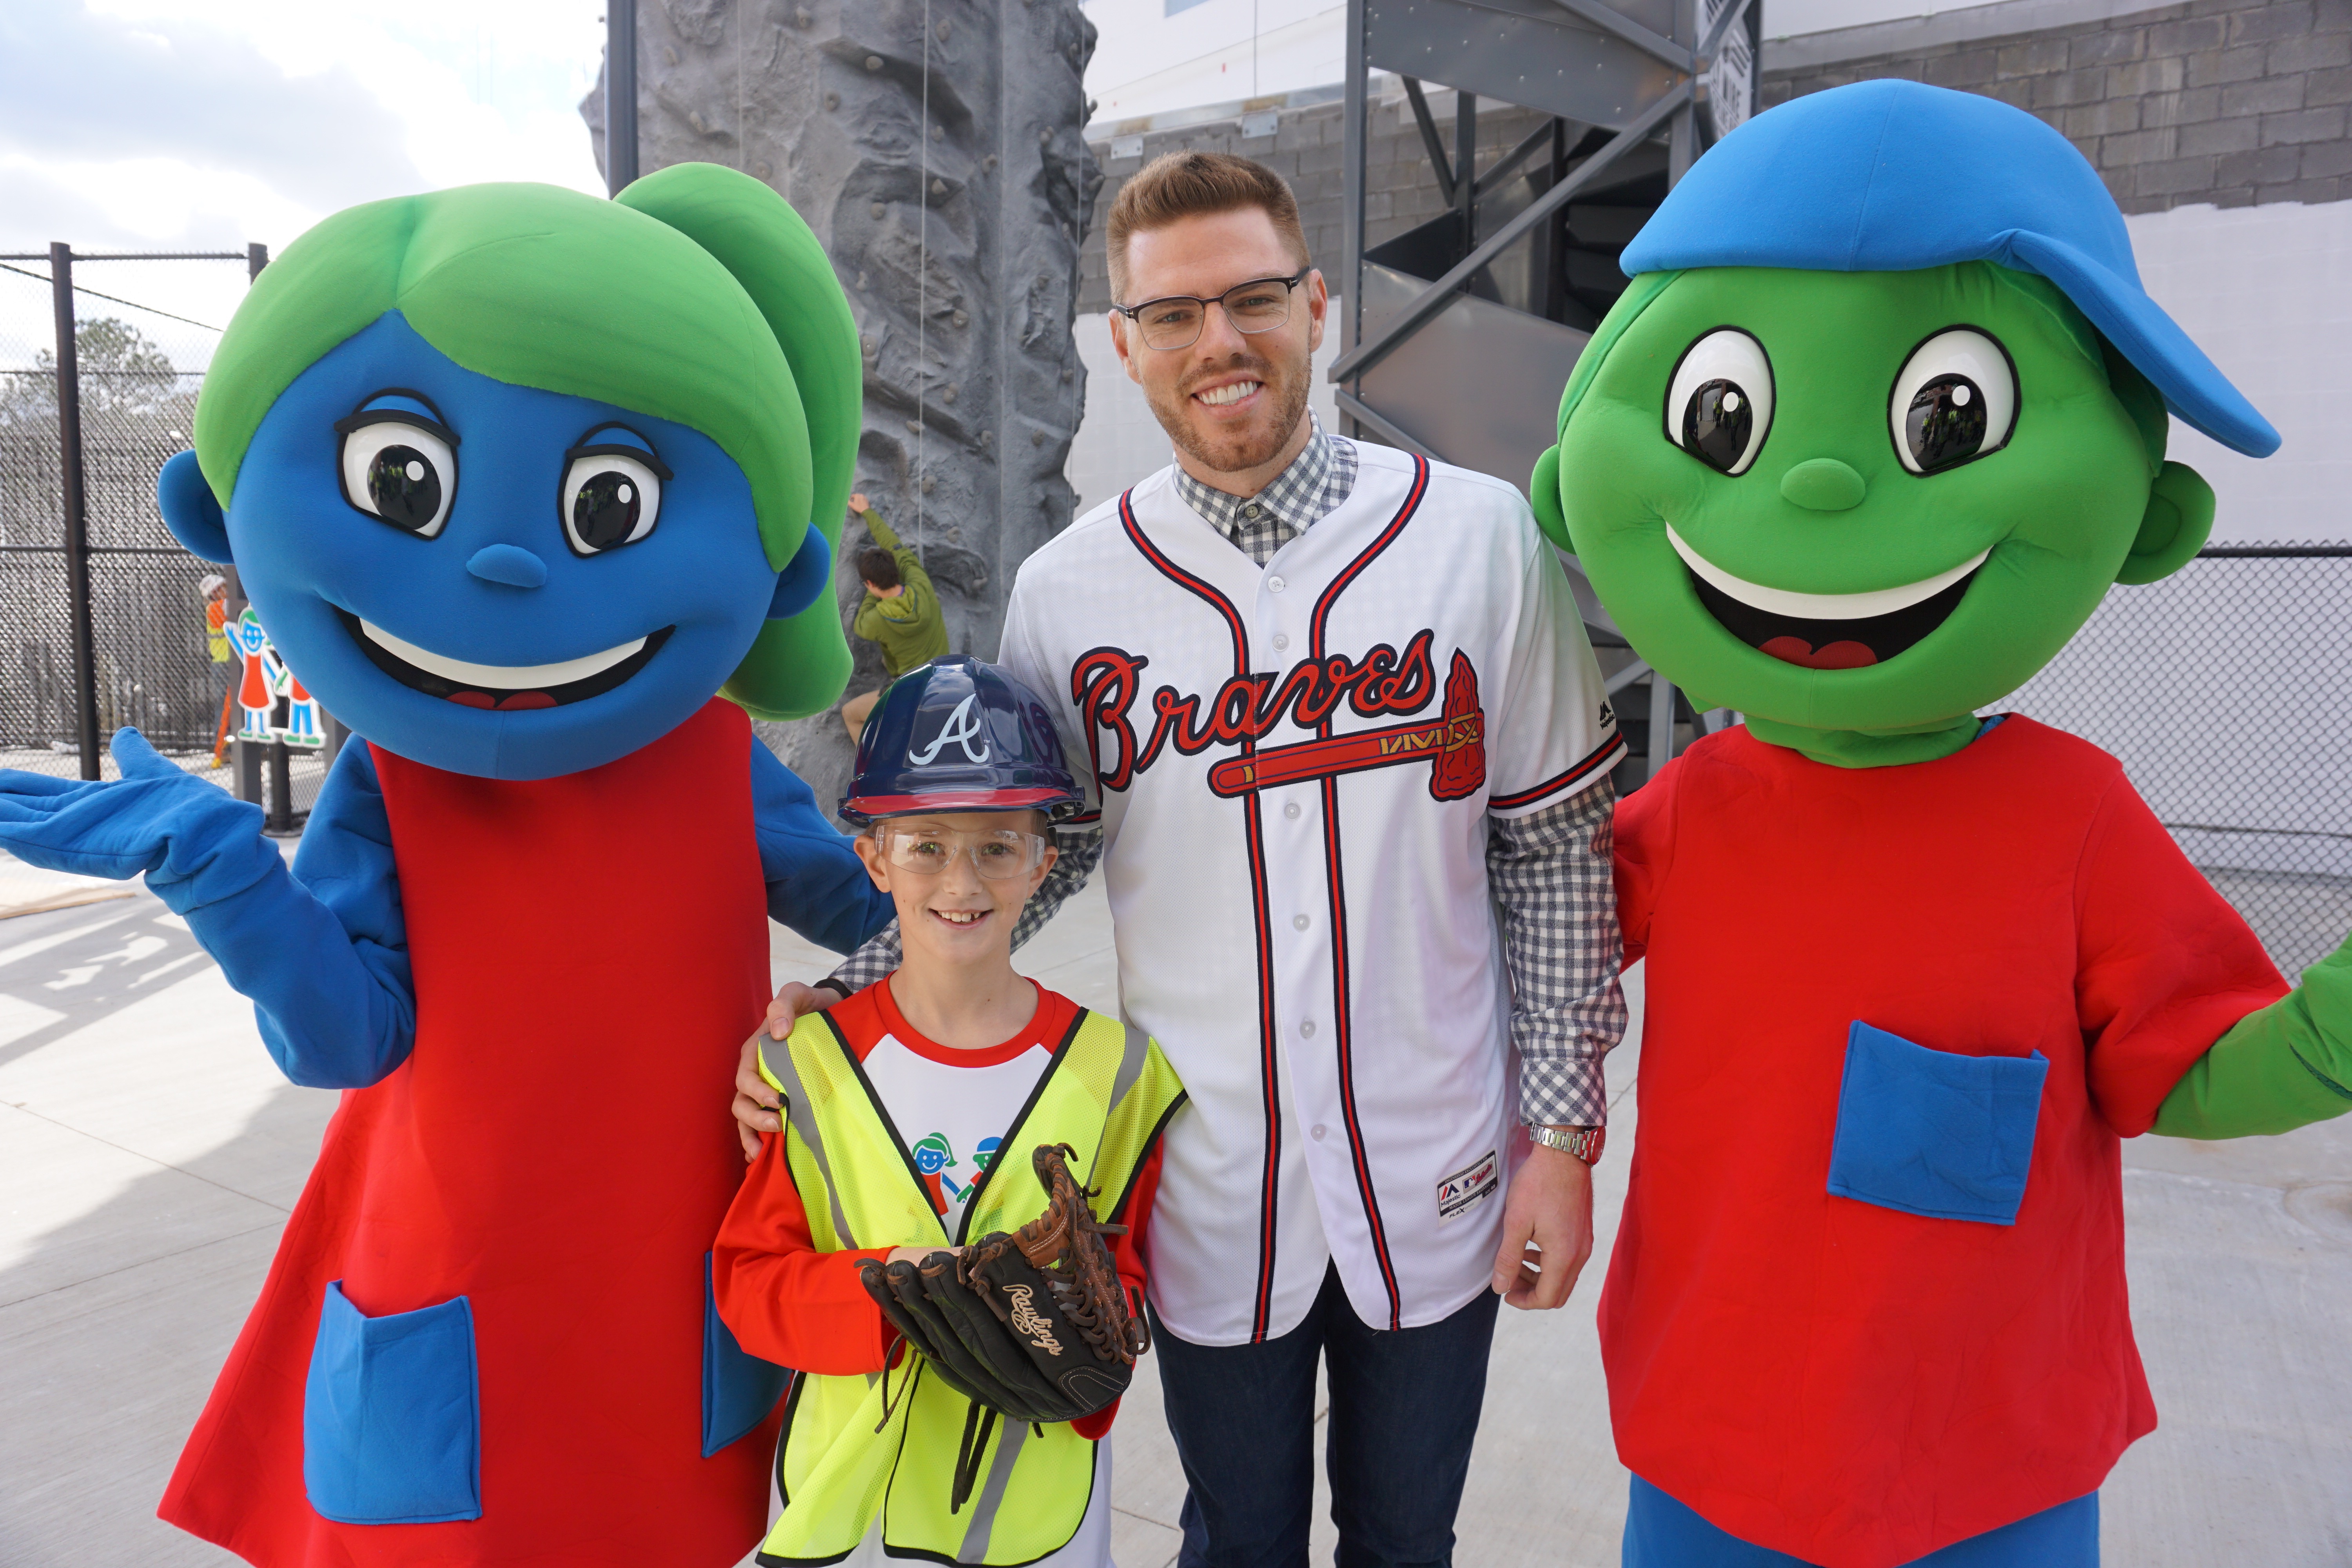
697,296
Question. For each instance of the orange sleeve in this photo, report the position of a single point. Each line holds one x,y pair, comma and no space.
1129,1253
786,1301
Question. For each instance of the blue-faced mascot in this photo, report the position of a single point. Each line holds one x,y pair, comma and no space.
521,484
1881,420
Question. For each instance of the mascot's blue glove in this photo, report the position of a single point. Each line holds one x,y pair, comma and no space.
196,845
335,1004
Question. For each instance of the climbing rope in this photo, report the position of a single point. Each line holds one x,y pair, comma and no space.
922,275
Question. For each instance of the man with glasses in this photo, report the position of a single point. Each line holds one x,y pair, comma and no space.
1350,753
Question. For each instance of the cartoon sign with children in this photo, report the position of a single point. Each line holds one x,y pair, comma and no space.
272,704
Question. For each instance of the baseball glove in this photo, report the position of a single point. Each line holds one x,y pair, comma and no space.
1034,1325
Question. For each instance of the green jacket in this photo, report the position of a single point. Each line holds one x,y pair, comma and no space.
910,628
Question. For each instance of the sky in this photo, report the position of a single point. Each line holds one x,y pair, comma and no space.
208,124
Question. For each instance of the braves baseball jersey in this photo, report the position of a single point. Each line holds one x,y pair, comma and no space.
1295,766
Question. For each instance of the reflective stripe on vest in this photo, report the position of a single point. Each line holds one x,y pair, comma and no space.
1107,1093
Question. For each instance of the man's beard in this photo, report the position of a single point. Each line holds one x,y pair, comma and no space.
1236,451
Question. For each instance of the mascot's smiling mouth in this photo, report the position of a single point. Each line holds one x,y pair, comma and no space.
1826,631
504,687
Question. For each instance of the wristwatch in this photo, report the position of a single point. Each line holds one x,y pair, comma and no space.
1580,1142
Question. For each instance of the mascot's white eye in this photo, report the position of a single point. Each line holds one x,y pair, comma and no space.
611,496
400,467
1955,398
1719,403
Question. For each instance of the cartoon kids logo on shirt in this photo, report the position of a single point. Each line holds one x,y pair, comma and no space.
935,1157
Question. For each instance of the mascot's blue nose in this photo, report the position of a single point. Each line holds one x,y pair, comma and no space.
509,563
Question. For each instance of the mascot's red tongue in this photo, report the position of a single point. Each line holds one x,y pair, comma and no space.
1831,655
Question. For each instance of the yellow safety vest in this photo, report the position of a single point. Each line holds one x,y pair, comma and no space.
1107,1093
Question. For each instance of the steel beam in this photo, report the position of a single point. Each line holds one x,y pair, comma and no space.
1531,144
620,94
76,501
1357,94
1466,167
1433,298
1624,677
1379,424
1623,27
1429,139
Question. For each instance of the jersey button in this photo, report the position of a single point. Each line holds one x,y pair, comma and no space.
1317,1132
1308,1028
1299,920
1291,810
1281,641
1274,584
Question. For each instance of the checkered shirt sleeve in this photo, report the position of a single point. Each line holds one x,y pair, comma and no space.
1316,482
1552,876
1081,849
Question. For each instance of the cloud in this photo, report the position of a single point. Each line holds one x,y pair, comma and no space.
39,208
82,89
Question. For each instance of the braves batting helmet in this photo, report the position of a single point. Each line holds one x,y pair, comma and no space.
959,735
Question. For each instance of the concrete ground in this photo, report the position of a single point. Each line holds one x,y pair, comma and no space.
148,1153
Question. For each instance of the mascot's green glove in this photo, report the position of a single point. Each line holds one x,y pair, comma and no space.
2276,1070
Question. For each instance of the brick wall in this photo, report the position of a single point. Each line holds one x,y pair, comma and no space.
1401,191
2216,101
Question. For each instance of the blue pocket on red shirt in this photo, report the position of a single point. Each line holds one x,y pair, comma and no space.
1934,1133
738,1389
392,1419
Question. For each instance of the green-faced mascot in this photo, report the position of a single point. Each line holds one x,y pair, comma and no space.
1879,422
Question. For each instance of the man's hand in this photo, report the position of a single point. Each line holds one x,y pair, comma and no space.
1550,1210
858,503
757,1106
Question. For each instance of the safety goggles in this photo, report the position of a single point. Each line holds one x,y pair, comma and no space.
996,853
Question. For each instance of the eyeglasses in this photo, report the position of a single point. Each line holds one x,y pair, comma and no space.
1175,322
996,854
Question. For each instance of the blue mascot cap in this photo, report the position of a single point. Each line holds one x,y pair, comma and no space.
959,735
1892,177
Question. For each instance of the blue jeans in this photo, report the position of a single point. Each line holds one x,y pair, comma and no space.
1663,1532
1405,1408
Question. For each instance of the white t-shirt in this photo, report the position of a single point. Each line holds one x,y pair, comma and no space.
950,1107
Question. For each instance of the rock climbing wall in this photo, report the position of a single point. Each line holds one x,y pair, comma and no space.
936,150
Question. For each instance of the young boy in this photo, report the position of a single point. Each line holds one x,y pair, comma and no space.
912,1108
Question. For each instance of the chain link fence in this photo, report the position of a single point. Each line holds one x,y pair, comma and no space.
2226,692
144,330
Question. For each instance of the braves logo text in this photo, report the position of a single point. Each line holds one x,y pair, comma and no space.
1107,681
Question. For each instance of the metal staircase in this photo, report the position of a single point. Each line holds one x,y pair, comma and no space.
1460,333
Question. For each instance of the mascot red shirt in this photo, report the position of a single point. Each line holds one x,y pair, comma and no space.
1880,419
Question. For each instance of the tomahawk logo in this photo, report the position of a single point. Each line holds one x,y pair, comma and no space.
963,728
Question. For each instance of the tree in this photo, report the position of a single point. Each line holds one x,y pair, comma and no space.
121,372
